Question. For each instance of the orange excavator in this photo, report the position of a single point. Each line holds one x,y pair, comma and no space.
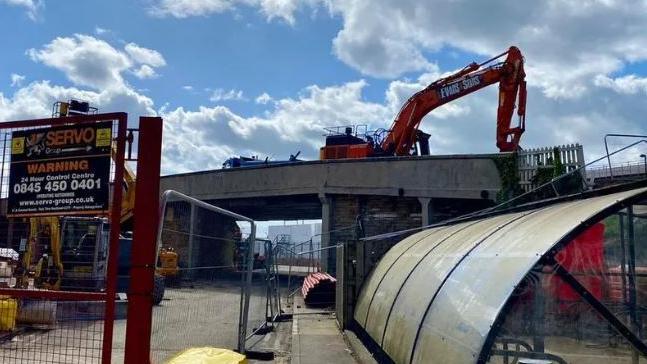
401,139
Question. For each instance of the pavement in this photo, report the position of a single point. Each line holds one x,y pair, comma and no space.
316,338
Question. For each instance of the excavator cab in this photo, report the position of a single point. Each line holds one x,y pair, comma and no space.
84,250
346,144
68,253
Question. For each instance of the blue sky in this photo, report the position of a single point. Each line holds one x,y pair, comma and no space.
202,65
243,52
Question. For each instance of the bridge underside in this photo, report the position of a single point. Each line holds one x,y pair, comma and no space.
295,207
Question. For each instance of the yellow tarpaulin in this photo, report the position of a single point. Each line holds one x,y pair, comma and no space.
207,355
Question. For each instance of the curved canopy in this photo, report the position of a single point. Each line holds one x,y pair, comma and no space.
437,293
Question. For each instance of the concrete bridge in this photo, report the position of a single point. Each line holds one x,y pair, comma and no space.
252,190
384,193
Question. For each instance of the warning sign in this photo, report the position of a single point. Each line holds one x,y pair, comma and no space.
60,170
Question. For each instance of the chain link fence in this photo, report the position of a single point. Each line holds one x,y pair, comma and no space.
36,330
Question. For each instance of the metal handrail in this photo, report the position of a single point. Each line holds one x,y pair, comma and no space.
606,145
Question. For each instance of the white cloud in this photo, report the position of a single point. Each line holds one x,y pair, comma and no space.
467,125
35,101
204,138
92,62
100,31
17,80
187,88
630,84
271,9
188,8
222,95
32,6
144,72
566,43
143,55
574,53
263,98
281,9
85,60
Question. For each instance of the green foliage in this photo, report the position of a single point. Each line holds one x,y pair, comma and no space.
543,175
554,168
508,167
559,167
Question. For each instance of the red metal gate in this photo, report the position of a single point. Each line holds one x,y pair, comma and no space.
70,325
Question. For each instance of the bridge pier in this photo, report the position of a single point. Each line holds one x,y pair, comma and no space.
426,208
326,220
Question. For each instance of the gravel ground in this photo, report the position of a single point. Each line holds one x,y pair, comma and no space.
200,315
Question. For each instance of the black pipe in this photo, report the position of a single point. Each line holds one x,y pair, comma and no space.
623,258
632,277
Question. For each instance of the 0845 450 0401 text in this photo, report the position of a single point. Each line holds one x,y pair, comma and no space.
55,186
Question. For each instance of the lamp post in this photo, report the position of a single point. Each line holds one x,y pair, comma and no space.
644,157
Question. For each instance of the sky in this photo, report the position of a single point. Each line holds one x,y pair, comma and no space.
265,77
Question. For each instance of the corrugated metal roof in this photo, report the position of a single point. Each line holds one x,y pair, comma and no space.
434,296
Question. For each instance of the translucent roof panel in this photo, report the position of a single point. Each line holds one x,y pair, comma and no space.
437,293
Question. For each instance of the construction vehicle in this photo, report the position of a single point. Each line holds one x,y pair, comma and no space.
254,161
68,253
71,253
402,137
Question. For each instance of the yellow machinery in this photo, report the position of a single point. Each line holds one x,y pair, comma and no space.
168,265
44,237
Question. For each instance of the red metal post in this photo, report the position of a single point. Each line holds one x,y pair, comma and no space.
115,230
144,247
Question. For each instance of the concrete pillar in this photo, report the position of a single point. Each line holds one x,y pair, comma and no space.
326,224
426,209
341,287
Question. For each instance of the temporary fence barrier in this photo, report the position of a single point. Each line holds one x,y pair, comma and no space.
57,286
209,300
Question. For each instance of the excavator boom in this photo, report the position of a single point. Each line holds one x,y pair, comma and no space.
510,76
404,133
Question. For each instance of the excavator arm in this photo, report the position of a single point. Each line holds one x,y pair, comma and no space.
44,231
512,85
128,185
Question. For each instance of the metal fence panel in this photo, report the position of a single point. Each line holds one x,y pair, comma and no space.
207,301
